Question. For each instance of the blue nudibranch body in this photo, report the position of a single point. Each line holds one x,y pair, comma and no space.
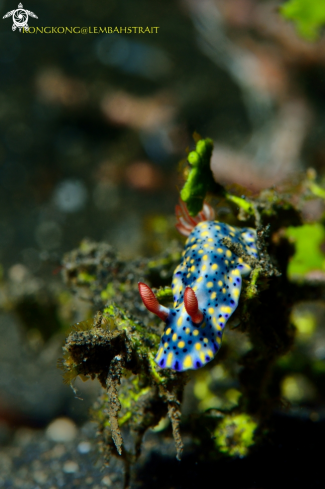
206,288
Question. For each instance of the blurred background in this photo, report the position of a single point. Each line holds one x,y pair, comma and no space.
92,129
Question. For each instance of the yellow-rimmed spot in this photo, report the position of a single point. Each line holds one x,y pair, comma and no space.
210,284
204,268
199,279
214,266
205,257
224,290
179,321
220,283
188,361
210,310
169,359
225,309
228,253
235,293
166,345
168,331
160,352
213,295
205,340
187,331
195,332
201,251
198,346
181,344
220,250
174,337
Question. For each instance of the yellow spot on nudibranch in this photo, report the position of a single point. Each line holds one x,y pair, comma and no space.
199,279
218,340
240,260
210,310
166,345
214,266
213,295
187,330
228,253
168,331
160,352
204,268
225,309
205,257
188,361
220,250
205,340
179,321
205,233
196,332
198,346
193,247
210,284
201,251
235,272
220,283
202,357
192,268
209,352
174,338
218,228
235,293
181,344
224,290
210,239
169,359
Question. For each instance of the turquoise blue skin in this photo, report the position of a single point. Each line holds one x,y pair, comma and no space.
214,273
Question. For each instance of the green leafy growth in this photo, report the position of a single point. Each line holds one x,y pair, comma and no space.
235,434
308,255
308,15
200,179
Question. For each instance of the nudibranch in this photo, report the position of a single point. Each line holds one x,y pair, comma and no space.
206,287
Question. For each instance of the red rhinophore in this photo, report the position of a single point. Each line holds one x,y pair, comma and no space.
150,301
192,306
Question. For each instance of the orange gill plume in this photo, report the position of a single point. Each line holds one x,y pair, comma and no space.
192,306
185,223
150,301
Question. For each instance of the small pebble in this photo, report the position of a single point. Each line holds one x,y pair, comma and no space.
106,481
61,430
70,467
84,447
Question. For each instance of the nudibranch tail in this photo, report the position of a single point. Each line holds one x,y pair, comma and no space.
150,301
